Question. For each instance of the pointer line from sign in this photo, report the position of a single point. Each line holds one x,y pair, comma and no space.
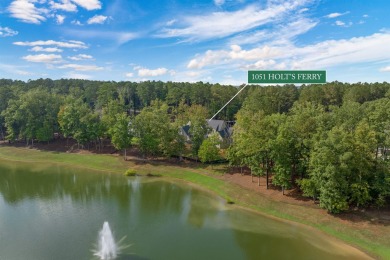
229,101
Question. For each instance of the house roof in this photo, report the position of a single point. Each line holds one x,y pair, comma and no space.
217,125
186,129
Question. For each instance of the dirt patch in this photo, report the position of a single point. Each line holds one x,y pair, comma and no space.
67,146
294,196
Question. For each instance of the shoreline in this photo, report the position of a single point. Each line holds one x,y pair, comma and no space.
203,178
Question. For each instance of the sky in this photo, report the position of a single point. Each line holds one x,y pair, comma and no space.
214,41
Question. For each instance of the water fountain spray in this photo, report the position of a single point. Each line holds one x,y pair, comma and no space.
107,249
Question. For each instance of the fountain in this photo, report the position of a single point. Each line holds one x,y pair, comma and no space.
107,249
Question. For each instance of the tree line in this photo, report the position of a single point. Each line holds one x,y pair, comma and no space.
331,140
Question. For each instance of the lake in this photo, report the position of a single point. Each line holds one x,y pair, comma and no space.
56,212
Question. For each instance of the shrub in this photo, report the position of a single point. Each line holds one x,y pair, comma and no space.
130,172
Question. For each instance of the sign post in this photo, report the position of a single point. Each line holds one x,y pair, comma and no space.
287,76
281,77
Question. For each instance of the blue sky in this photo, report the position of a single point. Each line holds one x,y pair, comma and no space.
211,41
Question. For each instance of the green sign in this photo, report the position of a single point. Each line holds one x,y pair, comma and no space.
287,76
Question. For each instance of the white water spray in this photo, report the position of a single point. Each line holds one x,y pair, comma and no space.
107,249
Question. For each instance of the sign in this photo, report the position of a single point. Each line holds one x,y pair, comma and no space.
287,76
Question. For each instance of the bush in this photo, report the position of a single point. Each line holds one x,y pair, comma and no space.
130,172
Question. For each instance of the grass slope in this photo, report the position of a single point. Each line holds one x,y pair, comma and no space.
374,239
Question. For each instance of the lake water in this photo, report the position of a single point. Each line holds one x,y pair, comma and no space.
56,212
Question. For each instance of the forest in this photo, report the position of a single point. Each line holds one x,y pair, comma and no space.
332,141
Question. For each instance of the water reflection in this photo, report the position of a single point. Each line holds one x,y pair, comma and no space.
56,211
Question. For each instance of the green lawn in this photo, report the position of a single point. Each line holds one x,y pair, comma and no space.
372,238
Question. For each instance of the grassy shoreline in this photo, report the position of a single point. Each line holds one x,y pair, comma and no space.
367,238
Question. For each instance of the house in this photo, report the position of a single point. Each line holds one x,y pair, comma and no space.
221,127
217,126
185,131
383,153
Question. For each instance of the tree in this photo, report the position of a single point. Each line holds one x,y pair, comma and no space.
32,116
349,115
128,96
172,142
219,96
174,95
200,93
89,127
68,117
6,94
271,99
253,137
342,167
146,92
378,116
77,120
197,116
146,127
106,92
156,134
120,133
294,141
209,151
109,115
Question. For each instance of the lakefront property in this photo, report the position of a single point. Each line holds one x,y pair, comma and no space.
255,129
285,155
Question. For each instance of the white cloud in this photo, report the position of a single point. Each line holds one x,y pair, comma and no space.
222,24
129,74
79,67
372,48
119,37
37,11
236,53
208,59
171,22
60,18
193,73
76,22
26,11
142,72
44,58
262,65
280,34
41,49
230,80
334,15
89,4
193,76
65,5
375,47
7,32
343,24
23,73
81,57
385,69
303,10
123,37
73,75
97,19
13,69
219,2
68,44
